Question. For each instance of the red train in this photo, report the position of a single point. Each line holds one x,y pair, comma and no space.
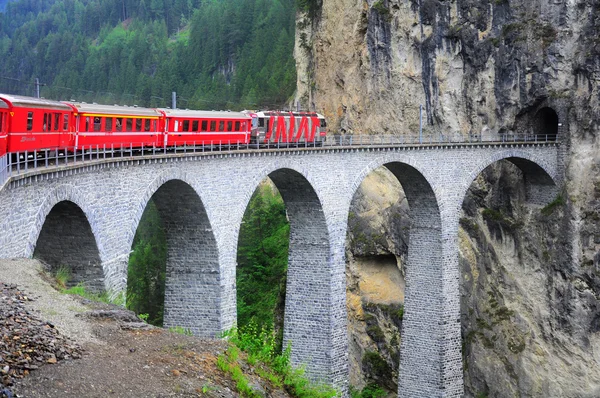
34,124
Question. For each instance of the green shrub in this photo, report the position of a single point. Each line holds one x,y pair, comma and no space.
371,390
259,343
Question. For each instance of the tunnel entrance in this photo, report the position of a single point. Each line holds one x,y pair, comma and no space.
66,241
545,125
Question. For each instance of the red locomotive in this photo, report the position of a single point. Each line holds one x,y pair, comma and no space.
33,124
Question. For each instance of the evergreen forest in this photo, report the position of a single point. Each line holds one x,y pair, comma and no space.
225,54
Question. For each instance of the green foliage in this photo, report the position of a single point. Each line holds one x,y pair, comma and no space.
376,366
262,259
147,267
261,346
371,390
215,54
559,201
181,330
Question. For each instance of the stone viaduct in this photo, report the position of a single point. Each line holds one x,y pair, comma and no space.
86,216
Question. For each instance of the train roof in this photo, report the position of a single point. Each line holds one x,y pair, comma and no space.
287,113
115,110
204,114
20,101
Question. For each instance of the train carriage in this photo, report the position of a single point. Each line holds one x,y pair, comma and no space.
36,124
3,127
189,127
292,128
115,126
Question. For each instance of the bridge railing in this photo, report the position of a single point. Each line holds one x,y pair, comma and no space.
15,164
434,139
4,169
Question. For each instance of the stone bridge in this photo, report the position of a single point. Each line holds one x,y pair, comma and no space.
86,216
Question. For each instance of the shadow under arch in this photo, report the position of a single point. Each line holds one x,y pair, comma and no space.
307,316
192,289
66,240
421,348
539,177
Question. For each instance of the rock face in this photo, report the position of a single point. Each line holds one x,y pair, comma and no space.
530,285
475,66
376,251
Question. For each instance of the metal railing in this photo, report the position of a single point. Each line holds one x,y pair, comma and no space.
23,162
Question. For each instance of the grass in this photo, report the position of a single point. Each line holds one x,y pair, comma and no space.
104,297
181,330
263,354
62,276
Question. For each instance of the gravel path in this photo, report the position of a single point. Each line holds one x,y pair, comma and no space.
57,308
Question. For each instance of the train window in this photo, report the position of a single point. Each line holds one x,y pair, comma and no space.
237,126
108,126
66,122
97,123
229,126
138,124
213,125
261,122
119,124
204,125
147,125
186,125
56,121
221,125
129,124
323,123
87,123
45,126
195,125
154,125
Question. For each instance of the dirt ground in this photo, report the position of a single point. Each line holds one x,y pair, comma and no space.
142,363
117,362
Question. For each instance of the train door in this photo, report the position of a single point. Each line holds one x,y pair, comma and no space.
3,129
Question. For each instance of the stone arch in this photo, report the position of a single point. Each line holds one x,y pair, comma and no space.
65,234
155,184
540,176
192,288
421,348
307,318
546,124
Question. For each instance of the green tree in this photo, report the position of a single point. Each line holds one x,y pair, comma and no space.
147,267
262,259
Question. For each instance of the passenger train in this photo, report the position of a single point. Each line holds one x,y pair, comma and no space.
34,124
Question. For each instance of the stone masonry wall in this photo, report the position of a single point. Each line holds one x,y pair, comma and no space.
205,197
66,239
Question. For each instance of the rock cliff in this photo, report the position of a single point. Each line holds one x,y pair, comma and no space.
530,285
